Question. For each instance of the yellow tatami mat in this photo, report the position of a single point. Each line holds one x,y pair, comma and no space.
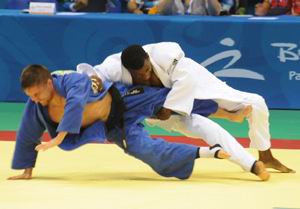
102,176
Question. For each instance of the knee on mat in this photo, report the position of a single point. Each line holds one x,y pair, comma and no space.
167,172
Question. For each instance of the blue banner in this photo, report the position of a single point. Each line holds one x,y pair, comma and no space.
254,54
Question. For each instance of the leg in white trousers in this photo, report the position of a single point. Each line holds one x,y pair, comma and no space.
197,126
258,119
259,133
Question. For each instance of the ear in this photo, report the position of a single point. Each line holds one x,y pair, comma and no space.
148,57
50,83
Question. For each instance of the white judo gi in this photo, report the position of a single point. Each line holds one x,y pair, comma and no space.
188,80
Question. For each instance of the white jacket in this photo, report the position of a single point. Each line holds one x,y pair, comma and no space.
187,79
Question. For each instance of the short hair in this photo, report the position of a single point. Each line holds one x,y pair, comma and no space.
133,57
34,75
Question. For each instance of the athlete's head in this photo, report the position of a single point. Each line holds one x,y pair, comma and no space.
36,81
137,61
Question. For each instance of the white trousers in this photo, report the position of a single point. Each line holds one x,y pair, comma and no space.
258,119
197,126
207,86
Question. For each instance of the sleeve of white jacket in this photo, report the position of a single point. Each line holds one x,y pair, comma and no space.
181,97
182,83
110,69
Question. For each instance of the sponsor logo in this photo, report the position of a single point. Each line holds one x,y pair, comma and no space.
228,70
293,75
134,91
287,51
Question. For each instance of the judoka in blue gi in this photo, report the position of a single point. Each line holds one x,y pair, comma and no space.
74,115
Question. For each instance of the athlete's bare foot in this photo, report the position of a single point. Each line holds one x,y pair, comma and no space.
240,115
277,165
219,152
26,175
259,169
270,162
222,154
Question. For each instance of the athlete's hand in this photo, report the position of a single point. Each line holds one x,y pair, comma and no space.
25,176
46,145
53,143
164,113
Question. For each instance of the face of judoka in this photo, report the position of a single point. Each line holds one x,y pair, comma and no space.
41,93
143,74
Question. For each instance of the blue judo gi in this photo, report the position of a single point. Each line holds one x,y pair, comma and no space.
166,158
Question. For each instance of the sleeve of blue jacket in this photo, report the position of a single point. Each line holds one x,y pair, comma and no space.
28,136
76,89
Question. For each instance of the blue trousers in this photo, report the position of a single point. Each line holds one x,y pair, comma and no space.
166,158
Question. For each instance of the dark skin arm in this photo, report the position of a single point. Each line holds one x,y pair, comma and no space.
164,113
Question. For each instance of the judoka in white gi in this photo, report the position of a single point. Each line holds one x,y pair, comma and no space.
74,115
165,64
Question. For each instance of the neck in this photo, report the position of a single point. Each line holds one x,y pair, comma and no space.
155,81
56,99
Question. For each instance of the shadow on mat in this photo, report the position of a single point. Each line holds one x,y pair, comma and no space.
111,176
225,177
147,177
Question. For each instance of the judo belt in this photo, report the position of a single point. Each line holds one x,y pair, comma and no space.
115,122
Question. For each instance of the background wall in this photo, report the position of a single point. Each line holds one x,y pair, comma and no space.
246,52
